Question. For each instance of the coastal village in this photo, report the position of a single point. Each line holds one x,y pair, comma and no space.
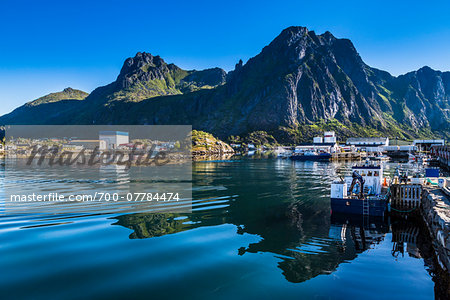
369,192
354,148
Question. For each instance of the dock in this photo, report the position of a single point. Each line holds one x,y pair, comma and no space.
405,197
435,211
433,205
348,156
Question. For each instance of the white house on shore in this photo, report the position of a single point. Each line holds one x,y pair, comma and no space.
113,139
75,145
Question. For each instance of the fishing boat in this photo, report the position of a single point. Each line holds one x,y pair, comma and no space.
283,153
422,159
365,192
311,155
378,156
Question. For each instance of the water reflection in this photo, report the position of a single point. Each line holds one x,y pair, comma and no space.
308,244
259,218
150,225
292,219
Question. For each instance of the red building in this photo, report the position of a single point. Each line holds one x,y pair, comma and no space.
442,152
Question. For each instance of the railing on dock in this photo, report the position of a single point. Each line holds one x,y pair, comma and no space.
405,196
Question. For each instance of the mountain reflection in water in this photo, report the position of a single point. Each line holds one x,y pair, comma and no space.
292,225
307,246
262,227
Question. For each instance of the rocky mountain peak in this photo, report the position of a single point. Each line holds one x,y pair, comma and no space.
292,34
146,76
426,69
427,94
68,90
142,67
140,60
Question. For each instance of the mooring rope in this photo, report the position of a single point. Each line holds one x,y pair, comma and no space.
403,211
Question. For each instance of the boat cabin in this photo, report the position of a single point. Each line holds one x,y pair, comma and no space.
370,202
373,181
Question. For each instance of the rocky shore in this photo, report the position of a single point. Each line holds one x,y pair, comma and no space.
205,144
436,213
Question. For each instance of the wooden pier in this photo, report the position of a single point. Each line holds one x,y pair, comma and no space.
343,156
433,205
406,197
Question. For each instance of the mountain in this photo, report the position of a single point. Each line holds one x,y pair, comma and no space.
141,77
301,83
145,76
425,98
51,106
66,94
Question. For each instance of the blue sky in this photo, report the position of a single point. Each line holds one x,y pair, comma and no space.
46,46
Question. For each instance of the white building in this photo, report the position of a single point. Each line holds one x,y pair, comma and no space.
432,142
368,142
316,147
329,137
318,140
75,145
403,148
112,139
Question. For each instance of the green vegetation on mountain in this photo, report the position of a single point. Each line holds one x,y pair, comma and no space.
146,76
66,94
205,143
54,108
257,138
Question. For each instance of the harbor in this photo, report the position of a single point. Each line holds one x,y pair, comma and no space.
220,150
327,148
315,208
268,217
425,194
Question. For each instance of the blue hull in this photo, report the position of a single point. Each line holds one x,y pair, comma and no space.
355,206
311,157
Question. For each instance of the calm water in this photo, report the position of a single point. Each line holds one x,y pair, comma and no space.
259,228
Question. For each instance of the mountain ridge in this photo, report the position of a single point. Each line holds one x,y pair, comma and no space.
300,83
